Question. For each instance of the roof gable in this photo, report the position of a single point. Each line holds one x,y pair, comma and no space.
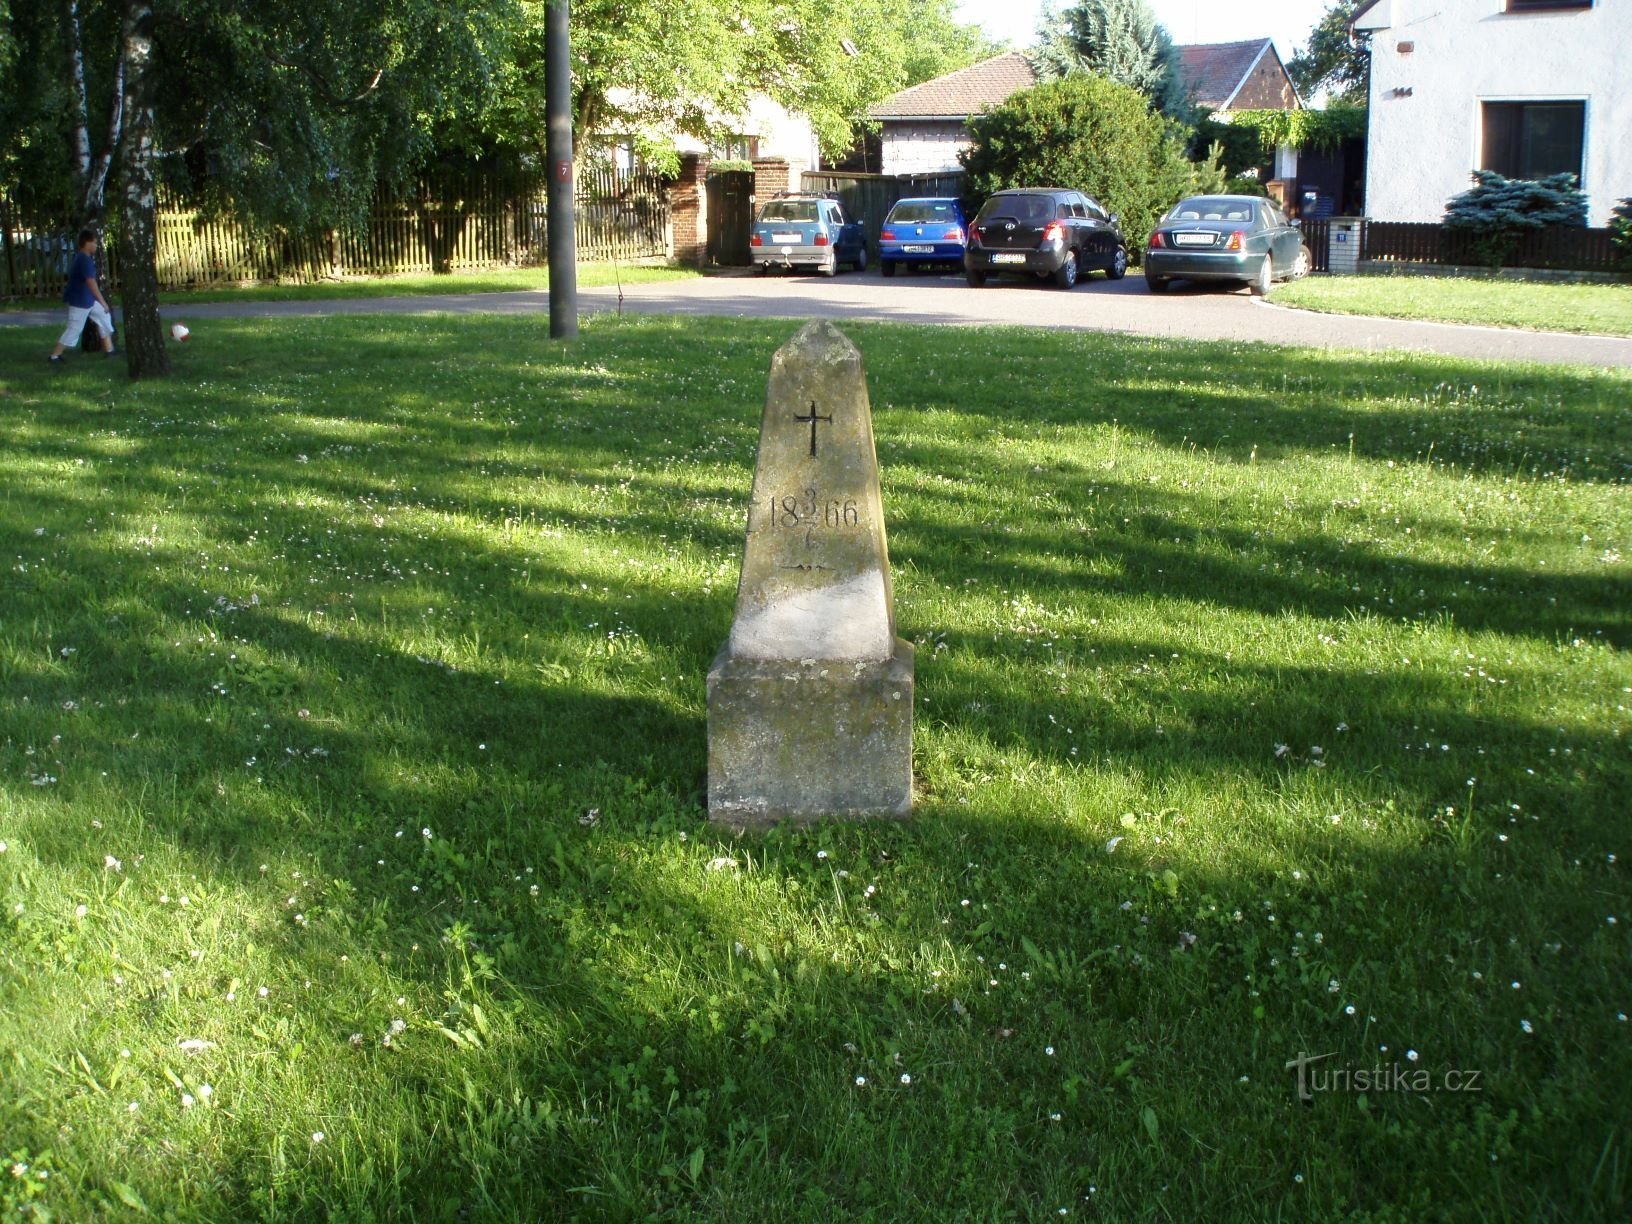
1215,72
957,95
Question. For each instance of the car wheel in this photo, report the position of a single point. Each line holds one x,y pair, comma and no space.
887,268
861,258
1156,284
1066,277
1260,285
1305,262
976,279
1119,264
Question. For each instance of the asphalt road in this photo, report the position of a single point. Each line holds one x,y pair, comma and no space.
1094,305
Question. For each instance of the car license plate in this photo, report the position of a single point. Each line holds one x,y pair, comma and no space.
786,239
1002,258
1194,239
919,250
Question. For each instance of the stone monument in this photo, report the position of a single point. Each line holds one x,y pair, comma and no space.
810,700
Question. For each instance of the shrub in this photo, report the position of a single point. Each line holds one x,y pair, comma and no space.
1086,133
1496,211
1620,232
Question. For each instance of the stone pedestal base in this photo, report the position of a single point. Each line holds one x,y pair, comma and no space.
812,740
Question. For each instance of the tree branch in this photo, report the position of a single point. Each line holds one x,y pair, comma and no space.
325,90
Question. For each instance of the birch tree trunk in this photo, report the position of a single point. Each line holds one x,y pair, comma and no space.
90,167
145,356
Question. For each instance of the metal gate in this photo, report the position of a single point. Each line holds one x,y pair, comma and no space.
730,217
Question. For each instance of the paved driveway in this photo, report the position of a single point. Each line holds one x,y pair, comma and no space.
1095,305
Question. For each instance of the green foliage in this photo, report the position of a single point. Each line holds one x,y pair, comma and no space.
1620,231
1244,185
655,71
1087,133
1120,40
1324,130
1240,146
1498,211
1332,60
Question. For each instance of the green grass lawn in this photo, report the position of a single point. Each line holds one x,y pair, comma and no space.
1592,309
507,280
354,861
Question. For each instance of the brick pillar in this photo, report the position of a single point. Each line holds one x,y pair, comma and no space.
771,175
688,212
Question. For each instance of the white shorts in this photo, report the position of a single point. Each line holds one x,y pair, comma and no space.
96,313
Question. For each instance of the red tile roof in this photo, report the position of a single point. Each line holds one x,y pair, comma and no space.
1213,72
957,95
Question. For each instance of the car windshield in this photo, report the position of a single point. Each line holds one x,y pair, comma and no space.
1031,209
789,210
1212,208
920,212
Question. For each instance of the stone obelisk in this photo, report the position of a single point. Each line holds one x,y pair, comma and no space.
810,700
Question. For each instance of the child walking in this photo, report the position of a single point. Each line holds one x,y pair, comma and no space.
85,300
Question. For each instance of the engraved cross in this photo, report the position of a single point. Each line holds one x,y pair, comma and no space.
813,418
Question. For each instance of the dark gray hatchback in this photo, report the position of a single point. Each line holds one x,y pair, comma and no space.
1045,232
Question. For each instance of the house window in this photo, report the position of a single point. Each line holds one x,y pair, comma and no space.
1530,140
1532,6
737,148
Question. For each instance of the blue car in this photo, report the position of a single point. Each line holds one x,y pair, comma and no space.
922,231
799,230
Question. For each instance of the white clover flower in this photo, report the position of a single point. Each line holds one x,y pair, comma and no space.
905,1078
317,1136
187,1100
1526,1026
861,1081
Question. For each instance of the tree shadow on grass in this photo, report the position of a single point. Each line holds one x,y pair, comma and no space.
561,1109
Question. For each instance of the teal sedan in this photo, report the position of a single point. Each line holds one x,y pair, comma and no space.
1242,239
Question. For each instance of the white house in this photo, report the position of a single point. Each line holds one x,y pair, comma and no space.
924,128
1522,87
764,128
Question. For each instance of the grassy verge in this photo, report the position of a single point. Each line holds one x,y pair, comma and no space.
353,860
1590,309
509,280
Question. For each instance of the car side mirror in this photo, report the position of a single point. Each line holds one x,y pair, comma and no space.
1115,220
1297,223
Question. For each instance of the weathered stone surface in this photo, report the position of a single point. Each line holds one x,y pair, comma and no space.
810,701
807,740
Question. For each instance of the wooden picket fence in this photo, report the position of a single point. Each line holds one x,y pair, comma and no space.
444,226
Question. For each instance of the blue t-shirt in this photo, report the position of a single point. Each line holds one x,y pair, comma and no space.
78,292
